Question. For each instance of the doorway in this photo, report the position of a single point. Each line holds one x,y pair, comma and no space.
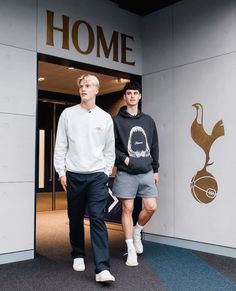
58,90
50,195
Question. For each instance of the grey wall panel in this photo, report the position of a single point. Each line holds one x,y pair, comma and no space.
16,217
18,81
157,41
201,57
212,83
203,29
157,101
18,23
18,92
17,149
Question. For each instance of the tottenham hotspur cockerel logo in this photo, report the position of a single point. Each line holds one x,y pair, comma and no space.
203,184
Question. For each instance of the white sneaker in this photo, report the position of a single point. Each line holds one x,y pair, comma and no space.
132,259
138,242
104,276
78,264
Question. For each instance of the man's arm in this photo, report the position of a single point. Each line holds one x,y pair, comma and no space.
120,156
155,149
109,149
63,183
60,151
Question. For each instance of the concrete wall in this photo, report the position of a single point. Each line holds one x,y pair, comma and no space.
18,91
188,57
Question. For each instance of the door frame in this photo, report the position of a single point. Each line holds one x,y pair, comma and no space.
90,68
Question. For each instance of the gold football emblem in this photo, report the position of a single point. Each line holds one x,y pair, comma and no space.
203,184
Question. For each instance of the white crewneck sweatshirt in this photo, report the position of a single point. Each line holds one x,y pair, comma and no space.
84,142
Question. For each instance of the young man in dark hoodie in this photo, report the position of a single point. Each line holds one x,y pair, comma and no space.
137,162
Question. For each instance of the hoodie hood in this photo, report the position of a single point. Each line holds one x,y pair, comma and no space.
123,112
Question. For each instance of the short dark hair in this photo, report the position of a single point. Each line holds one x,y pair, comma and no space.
133,85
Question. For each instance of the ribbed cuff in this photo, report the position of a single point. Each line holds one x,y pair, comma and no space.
61,173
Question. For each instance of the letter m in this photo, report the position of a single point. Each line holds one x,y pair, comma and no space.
101,42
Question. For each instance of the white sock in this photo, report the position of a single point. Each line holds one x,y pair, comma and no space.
138,228
130,243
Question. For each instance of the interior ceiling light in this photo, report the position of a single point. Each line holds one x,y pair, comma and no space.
40,79
71,68
122,80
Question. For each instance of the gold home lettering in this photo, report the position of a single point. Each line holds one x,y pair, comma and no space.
102,44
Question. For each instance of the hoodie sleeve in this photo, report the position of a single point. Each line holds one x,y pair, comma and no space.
155,149
120,155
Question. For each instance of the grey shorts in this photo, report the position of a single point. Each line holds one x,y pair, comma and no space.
129,186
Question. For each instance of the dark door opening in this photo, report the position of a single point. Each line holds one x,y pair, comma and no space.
57,91
50,195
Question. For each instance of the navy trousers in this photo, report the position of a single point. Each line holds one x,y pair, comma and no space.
88,191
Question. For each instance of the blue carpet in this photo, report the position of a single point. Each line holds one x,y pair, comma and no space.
182,270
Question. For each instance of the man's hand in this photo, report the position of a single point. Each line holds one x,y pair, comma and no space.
126,161
156,178
63,183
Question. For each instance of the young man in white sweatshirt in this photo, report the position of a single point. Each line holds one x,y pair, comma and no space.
84,157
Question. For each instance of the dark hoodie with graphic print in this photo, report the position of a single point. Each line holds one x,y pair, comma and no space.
136,137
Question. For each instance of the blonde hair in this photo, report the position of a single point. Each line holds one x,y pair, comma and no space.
89,78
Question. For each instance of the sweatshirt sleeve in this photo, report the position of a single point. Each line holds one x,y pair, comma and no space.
61,146
155,149
109,149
